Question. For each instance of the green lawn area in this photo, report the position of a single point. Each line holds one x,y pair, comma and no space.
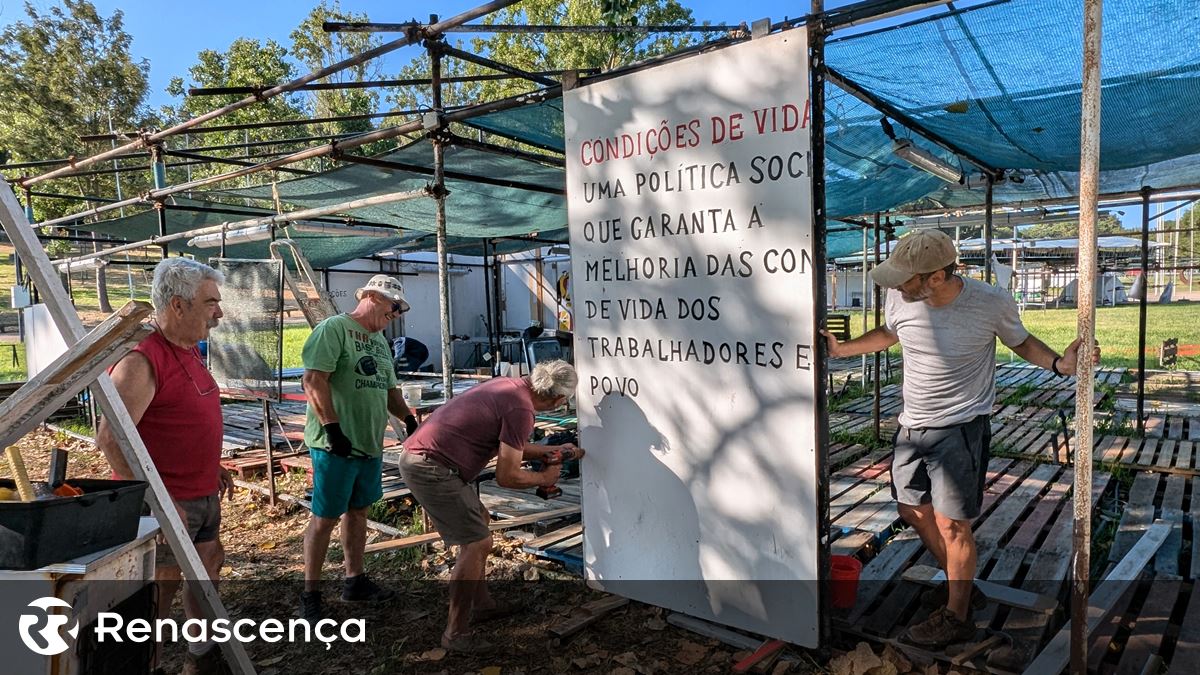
1116,330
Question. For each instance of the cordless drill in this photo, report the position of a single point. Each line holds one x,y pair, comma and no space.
552,491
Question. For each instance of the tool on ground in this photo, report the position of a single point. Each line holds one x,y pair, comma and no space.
20,477
553,491
58,467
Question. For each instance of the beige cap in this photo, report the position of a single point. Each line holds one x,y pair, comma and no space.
920,252
388,287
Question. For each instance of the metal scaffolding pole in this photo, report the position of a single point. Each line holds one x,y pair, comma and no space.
1089,178
865,304
987,231
439,191
878,303
159,169
1145,272
412,37
509,103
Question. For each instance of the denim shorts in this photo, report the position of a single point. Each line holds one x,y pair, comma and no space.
945,466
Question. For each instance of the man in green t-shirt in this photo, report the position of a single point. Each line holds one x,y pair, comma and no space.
351,389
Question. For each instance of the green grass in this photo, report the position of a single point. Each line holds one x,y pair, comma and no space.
1117,331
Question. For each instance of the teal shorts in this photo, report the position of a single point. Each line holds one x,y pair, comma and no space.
344,483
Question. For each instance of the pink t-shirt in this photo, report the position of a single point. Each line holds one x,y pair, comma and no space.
466,433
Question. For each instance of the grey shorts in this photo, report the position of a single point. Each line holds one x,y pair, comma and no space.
945,466
451,503
203,524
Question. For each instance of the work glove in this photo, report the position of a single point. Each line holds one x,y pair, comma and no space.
339,444
410,424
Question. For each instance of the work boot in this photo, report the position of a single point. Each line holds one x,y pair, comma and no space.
939,596
362,589
310,606
940,629
209,663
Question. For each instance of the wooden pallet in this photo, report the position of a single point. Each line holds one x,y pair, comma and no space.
1021,502
252,463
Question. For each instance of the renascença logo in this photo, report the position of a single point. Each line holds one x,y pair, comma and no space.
114,627
51,635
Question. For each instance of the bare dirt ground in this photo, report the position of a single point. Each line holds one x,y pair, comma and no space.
262,578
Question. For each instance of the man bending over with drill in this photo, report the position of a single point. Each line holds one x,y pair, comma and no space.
447,452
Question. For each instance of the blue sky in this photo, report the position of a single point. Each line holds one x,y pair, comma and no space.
170,34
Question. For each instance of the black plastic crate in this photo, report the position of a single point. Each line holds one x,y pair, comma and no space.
45,532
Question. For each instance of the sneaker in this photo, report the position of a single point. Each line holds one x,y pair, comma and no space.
942,628
310,606
939,596
362,589
209,663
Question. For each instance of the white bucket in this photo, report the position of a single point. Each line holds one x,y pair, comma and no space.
412,394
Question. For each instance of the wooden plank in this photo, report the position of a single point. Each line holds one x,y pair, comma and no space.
709,630
554,537
1054,657
1167,560
46,278
1195,571
1193,429
73,371
587,614
1013,597
1186,660
1047,572
1153,619
1184,455
1175,428
1137,516
1149,450
1166,454
765,654
430,537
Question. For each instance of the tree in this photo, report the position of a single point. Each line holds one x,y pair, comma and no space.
69,72
317,49
554,51
247,62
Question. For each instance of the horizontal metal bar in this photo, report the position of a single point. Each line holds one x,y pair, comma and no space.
456,175
370,84
376,27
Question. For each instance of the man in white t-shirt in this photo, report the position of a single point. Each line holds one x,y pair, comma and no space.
947,326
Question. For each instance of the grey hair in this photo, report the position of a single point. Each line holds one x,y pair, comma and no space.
179,276
552,379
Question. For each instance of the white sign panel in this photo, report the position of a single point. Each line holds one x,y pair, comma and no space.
691,237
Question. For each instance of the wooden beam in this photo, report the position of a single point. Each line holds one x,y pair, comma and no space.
430,537
1014,597
49,284
1057,653
72,371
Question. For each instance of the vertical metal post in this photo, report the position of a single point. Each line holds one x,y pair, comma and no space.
498,317
987,231
1089,174
1141,349
439,186
878,296
865,305
816,71
266,418
487,303
159,169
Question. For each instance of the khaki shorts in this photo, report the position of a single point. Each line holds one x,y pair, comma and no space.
203,524
451,503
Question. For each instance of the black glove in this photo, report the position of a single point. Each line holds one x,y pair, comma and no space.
410,424
338,443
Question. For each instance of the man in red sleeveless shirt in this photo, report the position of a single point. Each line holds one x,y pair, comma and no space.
449,450
176,405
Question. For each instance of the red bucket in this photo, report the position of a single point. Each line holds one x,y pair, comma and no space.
844,572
